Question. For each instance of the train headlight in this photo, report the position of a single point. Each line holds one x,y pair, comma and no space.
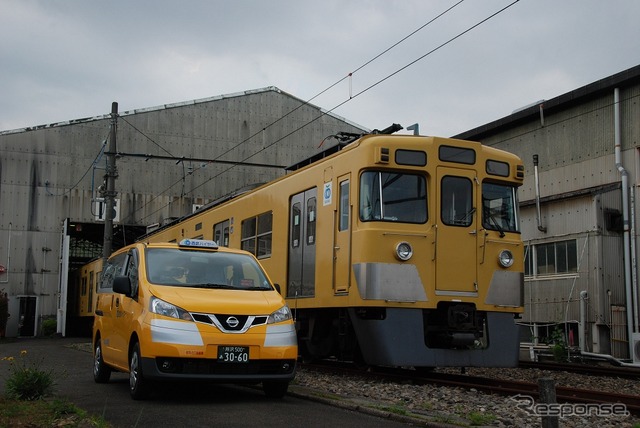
404,251
505,258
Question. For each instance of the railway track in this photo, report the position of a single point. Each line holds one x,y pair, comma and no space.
588,369
504,387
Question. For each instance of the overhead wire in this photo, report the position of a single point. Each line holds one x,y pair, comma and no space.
93,163
324,113
307,102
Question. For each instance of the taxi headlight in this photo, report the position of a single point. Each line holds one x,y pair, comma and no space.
160,307
282,314
505,258
404,251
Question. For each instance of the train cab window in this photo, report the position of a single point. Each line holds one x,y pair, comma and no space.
500,207
457,201
391,196
457,155
411,157
494,167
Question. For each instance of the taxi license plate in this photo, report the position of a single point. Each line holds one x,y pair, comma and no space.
233,354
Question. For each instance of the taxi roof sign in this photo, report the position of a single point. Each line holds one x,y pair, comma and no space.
199,243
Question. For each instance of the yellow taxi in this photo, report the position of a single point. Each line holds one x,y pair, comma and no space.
191,311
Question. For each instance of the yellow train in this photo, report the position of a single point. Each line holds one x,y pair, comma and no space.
394,250
83,287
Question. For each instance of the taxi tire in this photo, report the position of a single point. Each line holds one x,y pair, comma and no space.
138,385
274,388
101,372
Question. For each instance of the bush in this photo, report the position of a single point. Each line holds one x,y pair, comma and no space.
49,326
27,381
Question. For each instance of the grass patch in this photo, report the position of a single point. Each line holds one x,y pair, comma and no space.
28,402
27,381
480,419
45,413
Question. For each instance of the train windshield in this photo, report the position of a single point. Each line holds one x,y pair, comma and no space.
393,196
500,208
204,269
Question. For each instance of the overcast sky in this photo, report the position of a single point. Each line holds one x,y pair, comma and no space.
69,59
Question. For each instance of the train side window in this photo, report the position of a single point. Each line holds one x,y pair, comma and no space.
256,235
457,201
248,240
311,221
265,226
344,206
295,225
90,300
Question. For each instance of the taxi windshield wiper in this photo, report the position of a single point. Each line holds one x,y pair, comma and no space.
211,285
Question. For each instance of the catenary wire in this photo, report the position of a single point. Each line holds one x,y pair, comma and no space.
324,113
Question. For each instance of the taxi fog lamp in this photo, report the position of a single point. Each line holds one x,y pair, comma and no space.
404,251
505,258
167,365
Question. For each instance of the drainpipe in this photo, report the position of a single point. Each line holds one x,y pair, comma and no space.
634,261
6,281
582,331
541,228
625,216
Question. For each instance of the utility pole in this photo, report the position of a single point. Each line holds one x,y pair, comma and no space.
110,179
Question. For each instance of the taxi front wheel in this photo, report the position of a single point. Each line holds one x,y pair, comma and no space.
101,372
138,385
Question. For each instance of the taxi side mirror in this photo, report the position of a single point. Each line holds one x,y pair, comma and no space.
277,287
122,285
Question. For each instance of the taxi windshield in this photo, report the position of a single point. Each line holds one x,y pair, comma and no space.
204,269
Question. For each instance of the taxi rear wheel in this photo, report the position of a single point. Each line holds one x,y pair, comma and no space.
101,372
138,385
275,389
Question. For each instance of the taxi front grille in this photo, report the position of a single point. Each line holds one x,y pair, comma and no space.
231,323
202,366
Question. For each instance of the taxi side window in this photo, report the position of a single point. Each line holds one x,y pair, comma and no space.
112,268
132,272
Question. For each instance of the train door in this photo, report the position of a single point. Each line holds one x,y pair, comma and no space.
302,244
342,238
456,244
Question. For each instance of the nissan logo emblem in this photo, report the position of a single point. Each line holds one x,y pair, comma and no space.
232,322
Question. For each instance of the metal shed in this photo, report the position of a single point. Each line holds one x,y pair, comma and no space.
170,160
578,218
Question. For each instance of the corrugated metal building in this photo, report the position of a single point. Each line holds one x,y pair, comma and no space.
171,159
583,238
